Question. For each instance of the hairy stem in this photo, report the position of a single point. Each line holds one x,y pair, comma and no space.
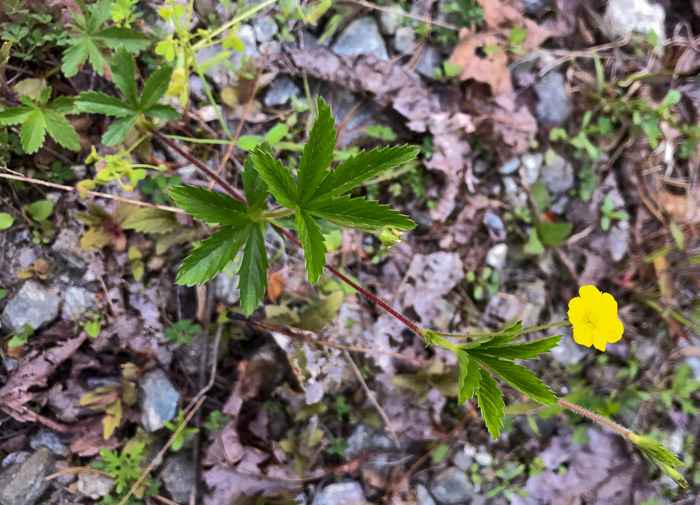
514,333
602,420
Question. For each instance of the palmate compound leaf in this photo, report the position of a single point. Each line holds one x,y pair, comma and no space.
212,256
277,178
254,186
358,212
527,350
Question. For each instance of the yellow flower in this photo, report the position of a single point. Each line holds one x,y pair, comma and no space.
593,316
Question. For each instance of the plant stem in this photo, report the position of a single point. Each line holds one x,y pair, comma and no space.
227,187
602,420
279,212
234,21
514,333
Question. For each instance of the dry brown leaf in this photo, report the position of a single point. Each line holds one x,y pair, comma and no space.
498,15
491,69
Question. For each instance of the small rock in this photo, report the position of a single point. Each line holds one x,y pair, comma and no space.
265,29
15,457
554,105
219,74
558,177
67,247
178,477
365,439
94,485
33,304
47,438
509,167
452,487
569,352
280,91
496,257
247,36
494,222
158,399
361,37
532,163
388,22
534,8
227,288
27,258
423,496
462,460
342,493
78,301
639,16
480,167
618,237
429,62
483,458
533,298
404,40
23,483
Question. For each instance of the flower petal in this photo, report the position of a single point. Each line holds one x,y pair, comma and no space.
589,292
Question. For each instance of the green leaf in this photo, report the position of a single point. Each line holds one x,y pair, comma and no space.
469,376
314,246
14,115
99,103
528,350
74,56
116,37
362,166
254,186
33,131
162,111
61,130
553,234
519,377
278,178
491,404
6,221
155,87
118,130
124,76
358,212
253,271
534,245
318,152
209,206
97,59
212,256
276,133
40,210
149,220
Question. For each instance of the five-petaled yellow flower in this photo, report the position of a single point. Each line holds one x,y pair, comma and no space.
593,316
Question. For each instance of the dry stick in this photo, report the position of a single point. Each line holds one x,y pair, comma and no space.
160,454
93,193
373,399
248,105
231,191
324,343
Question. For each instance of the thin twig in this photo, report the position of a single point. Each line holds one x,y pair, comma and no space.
93,193
160,454
373,399
248,105
404,14
295,334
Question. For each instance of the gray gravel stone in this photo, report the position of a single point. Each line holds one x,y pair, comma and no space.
361,37
178,477
618,239
558,177
429,62
404,40
342,493
366,439
554,105
23,483
534,8
462,460
94,485
423,496
219,74
265,29
50,439
78,301
569,352
494,222
639,16
227,288
280,91
388,22
158,399
67,247
452,487
496,257
33,304
509,167
532,163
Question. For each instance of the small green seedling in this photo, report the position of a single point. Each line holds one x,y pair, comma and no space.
180,437
217,421
183,332
610,214
20,337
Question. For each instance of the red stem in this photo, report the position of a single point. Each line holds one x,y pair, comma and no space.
231,191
